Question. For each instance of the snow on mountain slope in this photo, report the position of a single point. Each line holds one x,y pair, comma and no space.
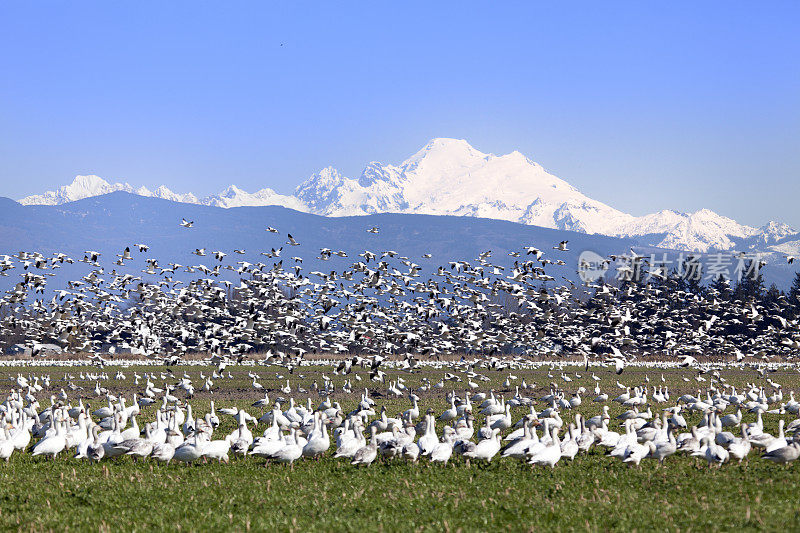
450,177
233,196
166,194
701,231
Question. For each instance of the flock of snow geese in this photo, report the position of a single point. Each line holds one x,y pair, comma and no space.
513,428
381,304
381,309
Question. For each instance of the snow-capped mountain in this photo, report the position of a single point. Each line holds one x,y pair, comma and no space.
450,177
90,186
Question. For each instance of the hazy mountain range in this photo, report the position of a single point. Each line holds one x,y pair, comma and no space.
450,177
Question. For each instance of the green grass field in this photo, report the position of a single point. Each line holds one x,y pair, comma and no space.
594,492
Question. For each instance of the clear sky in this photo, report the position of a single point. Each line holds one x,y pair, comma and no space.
642,105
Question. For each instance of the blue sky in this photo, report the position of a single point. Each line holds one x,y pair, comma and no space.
643,106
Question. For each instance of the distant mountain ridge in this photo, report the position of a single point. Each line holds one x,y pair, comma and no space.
450,177
110,222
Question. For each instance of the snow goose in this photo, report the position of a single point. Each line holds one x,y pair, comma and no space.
551,453
163,452
465,427
53,444
95,450
662,450
318,442
366,454
689,442
715,454
269,448
732,420
451,413
22,435
217,449
6,445
757,427
635,452
501,421
518,447
760,439
132,432
442,452
597,420
291,452
740,448
485,449
349,446
429,440
569,446
779,441
138,448
784,455
413,413
585,437
111,438
624,441
190,451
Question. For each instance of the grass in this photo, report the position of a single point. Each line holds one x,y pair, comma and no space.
592,493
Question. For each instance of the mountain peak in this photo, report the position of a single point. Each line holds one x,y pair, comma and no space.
440,143
90,185
88,180
444,151
777,227
773,231
231,191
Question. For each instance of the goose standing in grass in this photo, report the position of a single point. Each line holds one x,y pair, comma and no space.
6,445
367,454
163,452
635,452
662,450
189,451
217,450
353,442
569,446
269,447
136,447
518,448
550,454
779,441
51,445
291,451
442,452
429,439
486,449
784,455
318,442
451,413
95,450
740,448
714,454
